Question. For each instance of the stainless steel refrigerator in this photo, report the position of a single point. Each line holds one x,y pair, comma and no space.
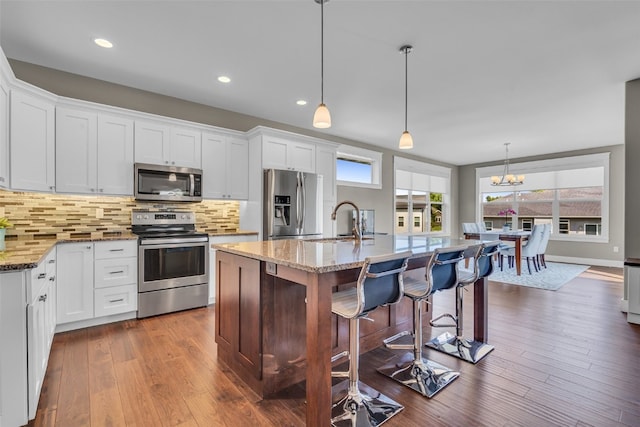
292,204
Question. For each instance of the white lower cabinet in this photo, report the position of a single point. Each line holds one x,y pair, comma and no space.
212,257
96,280
41,320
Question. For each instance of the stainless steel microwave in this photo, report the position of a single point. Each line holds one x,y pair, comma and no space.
167,183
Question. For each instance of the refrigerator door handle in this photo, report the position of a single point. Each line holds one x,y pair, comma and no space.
304,201
271,178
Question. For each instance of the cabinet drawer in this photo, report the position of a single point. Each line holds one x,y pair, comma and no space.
116,249
116,300
115,272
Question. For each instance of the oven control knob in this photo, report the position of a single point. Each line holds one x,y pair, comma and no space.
184,217
138,216
146,217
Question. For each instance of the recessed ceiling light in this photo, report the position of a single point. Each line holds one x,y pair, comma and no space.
301,102
224,79
103,43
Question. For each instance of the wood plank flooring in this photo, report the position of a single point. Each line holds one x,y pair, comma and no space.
564,358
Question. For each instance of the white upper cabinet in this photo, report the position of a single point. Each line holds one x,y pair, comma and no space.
94,153
4,134
225,167
161,144
279,153
32,143
115,155
326,166
76,151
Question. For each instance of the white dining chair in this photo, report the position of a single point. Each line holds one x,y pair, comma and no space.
530,249
542,248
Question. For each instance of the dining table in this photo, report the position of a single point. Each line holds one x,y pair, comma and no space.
516,236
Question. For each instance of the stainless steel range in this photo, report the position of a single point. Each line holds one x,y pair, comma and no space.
173,262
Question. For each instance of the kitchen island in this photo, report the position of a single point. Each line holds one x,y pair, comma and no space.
274,325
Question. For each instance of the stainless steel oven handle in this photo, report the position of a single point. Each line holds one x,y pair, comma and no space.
192,185
173,241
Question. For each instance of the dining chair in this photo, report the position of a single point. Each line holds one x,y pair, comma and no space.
529,250
543,245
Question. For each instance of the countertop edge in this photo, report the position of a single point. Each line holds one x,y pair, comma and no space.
325,269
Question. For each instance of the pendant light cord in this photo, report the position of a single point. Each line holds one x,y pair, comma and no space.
322,51
406,85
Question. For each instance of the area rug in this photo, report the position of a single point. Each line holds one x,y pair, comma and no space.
551,278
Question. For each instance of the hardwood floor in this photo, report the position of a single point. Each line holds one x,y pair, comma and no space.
564,358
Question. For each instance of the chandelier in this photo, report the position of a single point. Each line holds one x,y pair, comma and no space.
507,178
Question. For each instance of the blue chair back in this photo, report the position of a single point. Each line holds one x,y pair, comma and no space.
380,281
484,260
442,268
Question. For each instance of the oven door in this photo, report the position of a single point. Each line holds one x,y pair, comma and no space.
172,263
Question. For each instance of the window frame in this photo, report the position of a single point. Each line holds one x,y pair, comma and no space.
432,171
361,155
555,165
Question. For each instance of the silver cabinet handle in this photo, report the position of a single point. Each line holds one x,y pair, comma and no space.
88,247
42,275
42,298
116,272
52,278
116,300
116,250
101,190
52,261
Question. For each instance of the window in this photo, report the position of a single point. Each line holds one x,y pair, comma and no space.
358,167
569,193
422,194
488,225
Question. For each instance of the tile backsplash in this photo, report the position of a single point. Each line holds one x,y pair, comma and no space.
42,215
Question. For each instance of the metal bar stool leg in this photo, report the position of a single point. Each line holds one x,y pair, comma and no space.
355,403
456,345
414,371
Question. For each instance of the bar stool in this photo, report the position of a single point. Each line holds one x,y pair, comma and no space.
380,283
413,370
456,345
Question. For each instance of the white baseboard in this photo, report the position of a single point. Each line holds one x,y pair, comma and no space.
624,305
95,322
585,261
633,318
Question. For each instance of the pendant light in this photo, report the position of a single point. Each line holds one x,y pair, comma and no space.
406,141
322,118
507,178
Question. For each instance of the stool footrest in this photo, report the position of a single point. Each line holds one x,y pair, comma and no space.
422,375
433,323
388,342
339,356
460,347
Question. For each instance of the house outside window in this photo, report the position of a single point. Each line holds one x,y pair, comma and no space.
422,195
569,193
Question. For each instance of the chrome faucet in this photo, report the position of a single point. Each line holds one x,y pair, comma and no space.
356,228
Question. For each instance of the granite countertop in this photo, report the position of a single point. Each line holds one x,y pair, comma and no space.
25,254
334,254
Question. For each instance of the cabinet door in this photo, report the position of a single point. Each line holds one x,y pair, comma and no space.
4,135
185,148
214,166
37,354
238,169
32,143
302,157
326,166
76,151
151,143
274,153
75,282
115,154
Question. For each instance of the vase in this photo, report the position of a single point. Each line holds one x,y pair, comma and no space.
506,228
2,233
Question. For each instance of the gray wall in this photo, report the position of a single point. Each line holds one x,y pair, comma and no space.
89,89
589,250
632,172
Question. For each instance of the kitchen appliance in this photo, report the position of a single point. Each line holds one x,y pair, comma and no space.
173,262
167,183
292,204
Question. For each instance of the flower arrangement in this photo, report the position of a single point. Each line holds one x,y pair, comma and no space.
506,212
4,223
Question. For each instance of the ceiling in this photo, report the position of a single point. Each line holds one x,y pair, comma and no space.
546,76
